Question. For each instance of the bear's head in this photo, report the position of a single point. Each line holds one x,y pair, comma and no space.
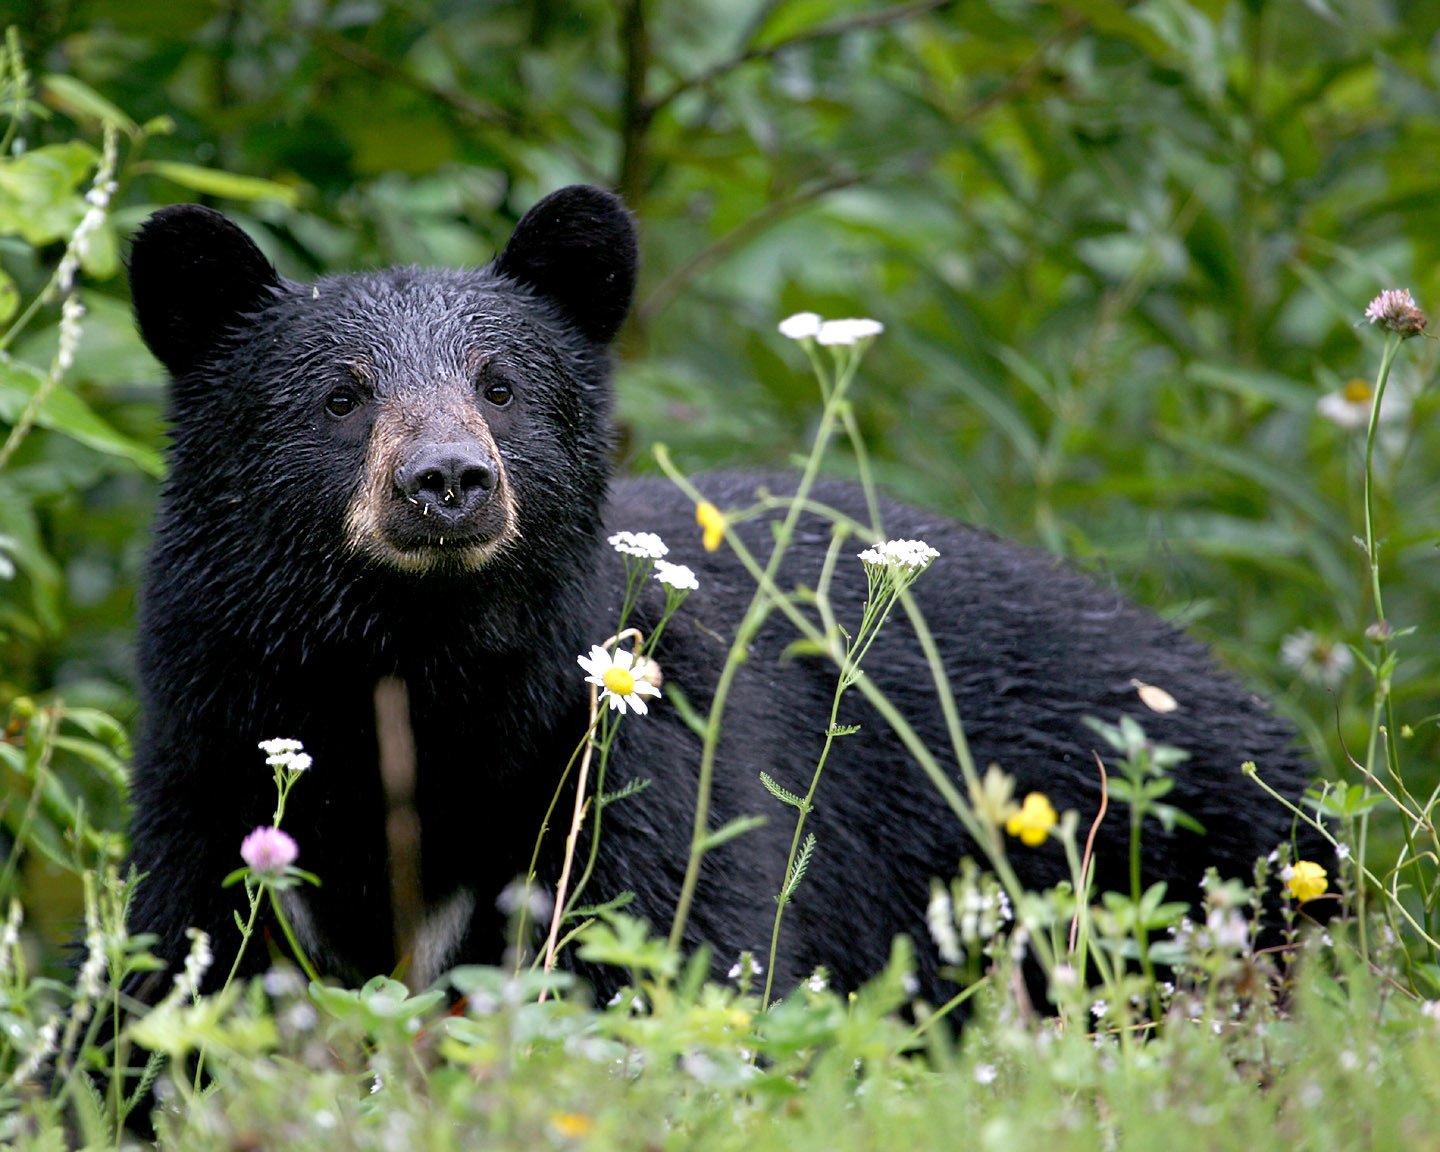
423,421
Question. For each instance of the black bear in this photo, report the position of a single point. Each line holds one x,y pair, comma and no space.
406,474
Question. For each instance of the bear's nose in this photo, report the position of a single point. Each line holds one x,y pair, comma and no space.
453,476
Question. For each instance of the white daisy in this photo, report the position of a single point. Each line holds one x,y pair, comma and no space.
1318,659
622,681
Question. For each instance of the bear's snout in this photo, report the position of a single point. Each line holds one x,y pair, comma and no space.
448,480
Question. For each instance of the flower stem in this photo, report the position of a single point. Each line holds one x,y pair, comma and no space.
755,615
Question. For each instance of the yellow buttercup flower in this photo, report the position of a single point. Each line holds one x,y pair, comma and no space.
1033,822
712,521
1307,880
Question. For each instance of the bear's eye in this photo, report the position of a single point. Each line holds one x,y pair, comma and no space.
498,393
341,402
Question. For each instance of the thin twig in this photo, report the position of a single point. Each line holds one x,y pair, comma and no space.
1087,861
754,52
577,817
752,226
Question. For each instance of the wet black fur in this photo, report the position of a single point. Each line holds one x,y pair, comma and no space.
257,622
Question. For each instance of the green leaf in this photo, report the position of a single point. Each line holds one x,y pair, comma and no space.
635,787
625,942
213,182
64,412
40,198
9,296
81,102
783,794
727,832
797,870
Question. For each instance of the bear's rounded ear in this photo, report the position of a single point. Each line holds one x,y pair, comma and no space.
577,248
193,275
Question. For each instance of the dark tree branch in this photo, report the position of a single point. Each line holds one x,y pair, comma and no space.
752,53
670,287
636,115
459,103
376,65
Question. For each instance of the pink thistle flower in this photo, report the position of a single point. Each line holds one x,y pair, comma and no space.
1395,310
268,851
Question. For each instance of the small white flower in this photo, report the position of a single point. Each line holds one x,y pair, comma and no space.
622,680
1342,851
287,754
907,556
940,919
1227,929
843,332
801,326
1318,660
675,576
197,963
645,545
71,313
985,1073
819,980
747,965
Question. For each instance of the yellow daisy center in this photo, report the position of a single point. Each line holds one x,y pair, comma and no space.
619,681
1357,391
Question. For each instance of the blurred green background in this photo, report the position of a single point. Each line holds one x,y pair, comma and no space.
1121,252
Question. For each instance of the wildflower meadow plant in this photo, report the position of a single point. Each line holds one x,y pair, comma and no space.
623,682
835,350
268,854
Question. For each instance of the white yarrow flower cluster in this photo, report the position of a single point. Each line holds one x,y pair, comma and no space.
645,545
676,576
801,326
830,333
287,754
847,332
908,557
